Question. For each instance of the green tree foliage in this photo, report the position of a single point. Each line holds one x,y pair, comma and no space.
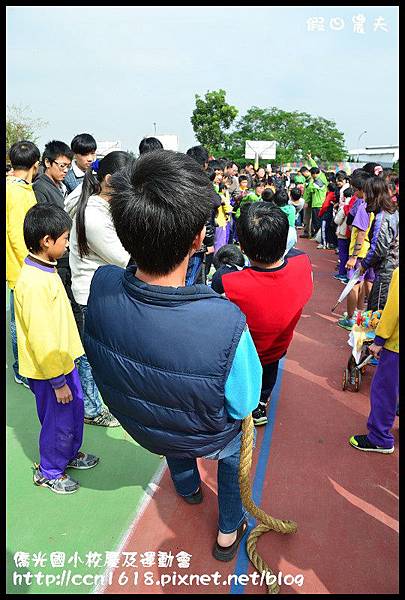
20,126
296,134
211,118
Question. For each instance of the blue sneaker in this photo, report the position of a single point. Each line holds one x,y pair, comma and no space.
346,323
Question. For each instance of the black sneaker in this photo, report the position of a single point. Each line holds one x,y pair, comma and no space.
361,442
259,415
195,498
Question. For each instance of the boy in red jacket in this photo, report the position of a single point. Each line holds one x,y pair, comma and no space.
271,292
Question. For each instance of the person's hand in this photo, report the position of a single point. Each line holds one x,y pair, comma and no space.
351,262
375,350
309,155
306,205
210,249
63,394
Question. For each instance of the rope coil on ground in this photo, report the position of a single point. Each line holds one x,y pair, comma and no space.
268,523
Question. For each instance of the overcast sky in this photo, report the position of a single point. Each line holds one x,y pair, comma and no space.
115,71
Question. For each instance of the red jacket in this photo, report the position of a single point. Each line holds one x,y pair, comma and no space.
272,301
330,197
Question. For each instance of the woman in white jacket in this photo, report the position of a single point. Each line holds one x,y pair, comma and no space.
94,243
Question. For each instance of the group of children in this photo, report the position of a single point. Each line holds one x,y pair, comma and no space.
152,216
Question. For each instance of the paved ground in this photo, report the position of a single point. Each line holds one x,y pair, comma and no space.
344,501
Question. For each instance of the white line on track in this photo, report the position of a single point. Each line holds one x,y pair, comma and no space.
140,509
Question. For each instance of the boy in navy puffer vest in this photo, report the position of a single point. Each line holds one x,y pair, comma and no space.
179,388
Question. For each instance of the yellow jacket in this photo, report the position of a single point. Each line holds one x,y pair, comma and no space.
224,210
366,244
19,198
388,326
47,336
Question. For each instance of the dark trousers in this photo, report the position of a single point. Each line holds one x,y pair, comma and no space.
343,246
61,424
383,399
66,276
269,379
316,221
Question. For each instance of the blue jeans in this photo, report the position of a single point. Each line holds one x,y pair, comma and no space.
92,403
186,479
194,267
13,335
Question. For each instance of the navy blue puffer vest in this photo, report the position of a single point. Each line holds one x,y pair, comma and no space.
160,357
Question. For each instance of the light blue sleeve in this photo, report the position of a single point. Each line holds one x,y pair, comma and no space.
244,382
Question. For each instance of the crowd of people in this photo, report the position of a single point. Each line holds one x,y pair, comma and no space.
139,297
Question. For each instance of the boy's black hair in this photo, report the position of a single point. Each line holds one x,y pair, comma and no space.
211,173
23,155
83,143
303,170
267,195
370,168
149,144
222,163
42,220
54,149
314,170
359,178
281,197
199,153
229,254
341,176
332,187
262,230
295,193
243,178
158,205
214,164
348,192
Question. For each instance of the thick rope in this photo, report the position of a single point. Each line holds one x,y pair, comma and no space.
268,523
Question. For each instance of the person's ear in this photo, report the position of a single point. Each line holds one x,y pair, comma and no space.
47,163
46,241
198,240
107,179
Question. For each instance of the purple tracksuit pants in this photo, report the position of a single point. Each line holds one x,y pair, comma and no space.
61,425
383,399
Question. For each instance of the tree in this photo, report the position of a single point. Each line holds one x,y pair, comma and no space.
211,118
20,127
296,133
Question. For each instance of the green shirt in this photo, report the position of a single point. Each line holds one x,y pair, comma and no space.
251,197
290,212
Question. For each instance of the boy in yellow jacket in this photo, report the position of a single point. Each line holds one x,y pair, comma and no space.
20,196
385,384
48,344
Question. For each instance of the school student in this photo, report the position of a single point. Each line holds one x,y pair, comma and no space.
177,388
48,345
84,147
271,292
20,197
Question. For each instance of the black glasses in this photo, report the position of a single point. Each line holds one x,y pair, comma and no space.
62,166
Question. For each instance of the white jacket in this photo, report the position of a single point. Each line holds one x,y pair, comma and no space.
72,199
340,220
105,247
